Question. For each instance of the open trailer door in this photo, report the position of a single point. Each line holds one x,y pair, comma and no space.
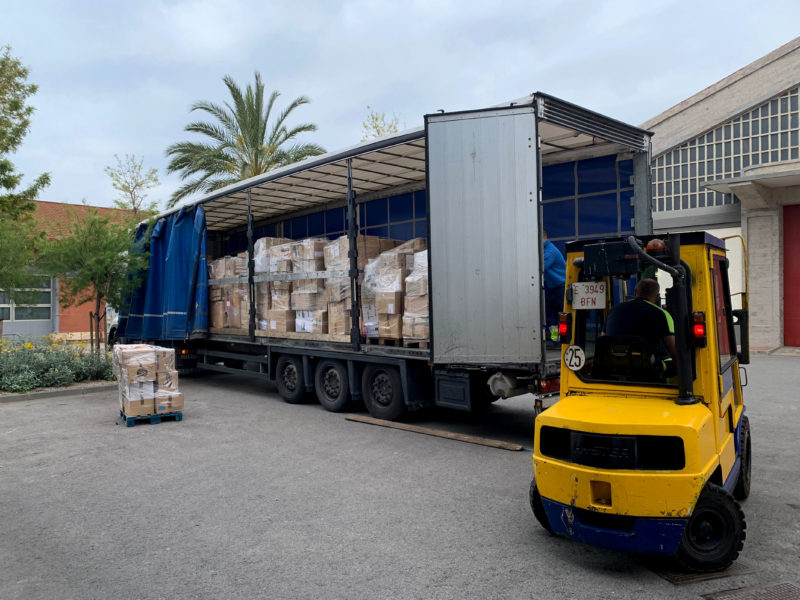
484,237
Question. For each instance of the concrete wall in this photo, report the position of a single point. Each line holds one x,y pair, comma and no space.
763,230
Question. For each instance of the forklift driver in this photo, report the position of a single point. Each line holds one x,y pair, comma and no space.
643,317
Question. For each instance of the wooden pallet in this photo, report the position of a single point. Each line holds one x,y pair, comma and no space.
422,345
383,342
152,419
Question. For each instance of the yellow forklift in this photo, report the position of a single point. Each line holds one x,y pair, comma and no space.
643,453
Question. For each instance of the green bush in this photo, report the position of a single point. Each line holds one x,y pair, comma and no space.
46,363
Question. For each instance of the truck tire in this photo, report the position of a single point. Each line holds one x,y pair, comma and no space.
742,489
331,385
538,507
714,534
289,378
382,392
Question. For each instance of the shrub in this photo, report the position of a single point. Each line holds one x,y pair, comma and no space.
20,381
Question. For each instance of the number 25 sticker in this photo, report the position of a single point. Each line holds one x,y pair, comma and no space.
574,358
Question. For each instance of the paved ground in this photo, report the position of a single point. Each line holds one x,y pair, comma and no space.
249,497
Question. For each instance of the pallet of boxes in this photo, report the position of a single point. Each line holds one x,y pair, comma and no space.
229,303
384,296
148,383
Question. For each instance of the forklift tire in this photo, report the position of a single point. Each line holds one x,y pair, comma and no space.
714,534
538,507
742,489
289,379
331,385
382,392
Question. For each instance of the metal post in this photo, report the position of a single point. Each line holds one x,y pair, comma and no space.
352,236
251,271
642,194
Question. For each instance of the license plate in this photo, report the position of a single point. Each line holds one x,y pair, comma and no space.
588,295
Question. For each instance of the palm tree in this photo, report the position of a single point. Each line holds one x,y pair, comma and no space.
242,145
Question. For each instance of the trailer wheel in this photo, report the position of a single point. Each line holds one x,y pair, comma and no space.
538,507
742,489
289,378
715,532
382,392
331,385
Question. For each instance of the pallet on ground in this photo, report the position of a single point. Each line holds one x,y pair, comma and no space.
152,419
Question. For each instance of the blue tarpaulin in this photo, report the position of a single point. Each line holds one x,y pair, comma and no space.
172,301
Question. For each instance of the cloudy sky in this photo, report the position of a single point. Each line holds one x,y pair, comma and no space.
119,77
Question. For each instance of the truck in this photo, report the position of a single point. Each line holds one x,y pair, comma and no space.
638,458
478,186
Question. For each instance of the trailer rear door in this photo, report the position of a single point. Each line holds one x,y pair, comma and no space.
484,231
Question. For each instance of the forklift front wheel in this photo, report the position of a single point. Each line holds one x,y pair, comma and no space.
715,532
538,507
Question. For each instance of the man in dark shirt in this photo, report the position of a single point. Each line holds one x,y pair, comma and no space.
643,317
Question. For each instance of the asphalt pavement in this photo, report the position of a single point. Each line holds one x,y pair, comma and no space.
249,497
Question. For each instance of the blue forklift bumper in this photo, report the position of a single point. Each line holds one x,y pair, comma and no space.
629,534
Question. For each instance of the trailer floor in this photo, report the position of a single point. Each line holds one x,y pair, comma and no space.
249,497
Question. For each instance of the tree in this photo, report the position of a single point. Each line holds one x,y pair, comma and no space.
377,125
17,237
242,143
132,183
95,262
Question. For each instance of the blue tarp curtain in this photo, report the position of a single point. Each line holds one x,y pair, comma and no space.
172,301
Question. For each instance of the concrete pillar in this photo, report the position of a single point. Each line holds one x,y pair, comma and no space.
764,235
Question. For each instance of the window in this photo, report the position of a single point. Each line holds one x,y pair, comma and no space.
36,307
722,312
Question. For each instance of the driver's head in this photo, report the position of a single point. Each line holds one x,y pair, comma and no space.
647,289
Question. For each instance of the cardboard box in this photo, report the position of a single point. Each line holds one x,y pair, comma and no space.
165,358
339,319
309,249
337,252
168,402
308,265
281,299
416,328
390,326
167,381
280,258
139,371
385,245
263,304
308,321
389,303
369,321
307,301
337,289
280,321
138,408
416,305
137,390
309,286
261,252
390,279
216,314
285,286
215,293
417,284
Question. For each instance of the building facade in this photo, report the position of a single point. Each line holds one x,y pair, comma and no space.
728,160
47,315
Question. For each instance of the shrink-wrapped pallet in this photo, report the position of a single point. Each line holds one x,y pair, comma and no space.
147,380
416,310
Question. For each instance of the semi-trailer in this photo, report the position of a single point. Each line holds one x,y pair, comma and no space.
476,188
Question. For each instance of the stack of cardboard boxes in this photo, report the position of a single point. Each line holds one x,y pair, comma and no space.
147,380
264,289
308,295
388,280
337,289
229,304
415,316
279,318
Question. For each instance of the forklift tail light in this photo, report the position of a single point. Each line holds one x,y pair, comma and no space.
699,329
565,327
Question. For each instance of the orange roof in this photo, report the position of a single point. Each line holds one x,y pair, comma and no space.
54,218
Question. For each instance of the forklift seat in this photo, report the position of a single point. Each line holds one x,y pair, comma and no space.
623,358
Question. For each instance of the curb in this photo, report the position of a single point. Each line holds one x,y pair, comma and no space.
82,391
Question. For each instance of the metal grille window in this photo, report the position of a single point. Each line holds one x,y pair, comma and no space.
762,135
37,304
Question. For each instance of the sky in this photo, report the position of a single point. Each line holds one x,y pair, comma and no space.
120,77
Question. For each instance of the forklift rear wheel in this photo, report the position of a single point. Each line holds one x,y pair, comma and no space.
538,507
382,392
330,383
715,532
742,489
289,378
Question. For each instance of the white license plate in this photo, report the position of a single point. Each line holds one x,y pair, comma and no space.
587,295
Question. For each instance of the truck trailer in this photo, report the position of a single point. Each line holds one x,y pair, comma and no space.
477,187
